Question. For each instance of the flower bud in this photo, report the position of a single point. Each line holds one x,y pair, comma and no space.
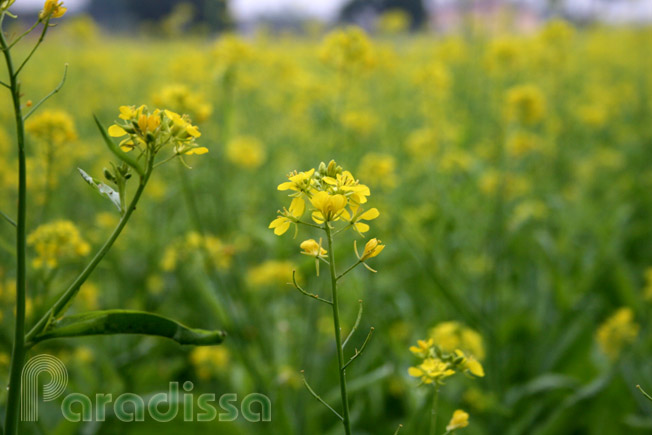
372,249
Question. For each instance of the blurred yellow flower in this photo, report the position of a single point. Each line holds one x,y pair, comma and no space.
378,170
616,332
246,152
459,420
526,104
52,9
56,242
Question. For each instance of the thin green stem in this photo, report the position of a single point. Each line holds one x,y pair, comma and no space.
47,97
18,351
46,25
353,266
643,392
5,84
355,325
359,352
72,290
338,334
21,36
316,396
8,219
433,412
311,295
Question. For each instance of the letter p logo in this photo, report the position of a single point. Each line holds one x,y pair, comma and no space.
30,390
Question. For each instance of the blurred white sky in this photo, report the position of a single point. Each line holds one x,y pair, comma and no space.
611,10
242,9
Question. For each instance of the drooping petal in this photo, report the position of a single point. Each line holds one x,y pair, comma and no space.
116,131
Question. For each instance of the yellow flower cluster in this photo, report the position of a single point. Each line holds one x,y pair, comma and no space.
56,242
150,132
437,364
348,50
181,99
334,195
180,251
54,127
617,331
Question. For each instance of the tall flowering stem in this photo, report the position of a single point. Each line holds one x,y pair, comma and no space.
338,332
336,199
18,349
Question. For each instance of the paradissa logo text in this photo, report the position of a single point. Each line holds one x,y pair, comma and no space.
129,407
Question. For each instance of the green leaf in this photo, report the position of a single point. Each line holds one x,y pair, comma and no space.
103,189
117,151
128,322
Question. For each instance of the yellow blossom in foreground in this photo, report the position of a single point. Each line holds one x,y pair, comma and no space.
422,348
459,420
327,206
431,370
312,248
53,9
371,249
617,331
281,224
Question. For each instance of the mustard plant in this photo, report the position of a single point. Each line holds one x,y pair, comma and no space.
337,203
149,139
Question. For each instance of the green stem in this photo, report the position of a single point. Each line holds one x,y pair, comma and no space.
338,334
18,351
72,290
353,266
433,412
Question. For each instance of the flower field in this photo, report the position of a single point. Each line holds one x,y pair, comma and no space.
498,188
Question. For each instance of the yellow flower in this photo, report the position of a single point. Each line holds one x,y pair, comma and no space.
287,217
422,349
299,181
470,363
357,215
327,207
312,248
431,370
371,249
459,420
53,9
